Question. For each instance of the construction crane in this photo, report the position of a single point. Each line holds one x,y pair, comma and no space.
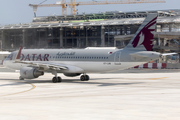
72,4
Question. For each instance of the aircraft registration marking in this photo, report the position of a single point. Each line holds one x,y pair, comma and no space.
107,63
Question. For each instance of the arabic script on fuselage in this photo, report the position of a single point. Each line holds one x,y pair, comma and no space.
65,53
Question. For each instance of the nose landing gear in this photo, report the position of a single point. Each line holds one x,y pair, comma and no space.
20,78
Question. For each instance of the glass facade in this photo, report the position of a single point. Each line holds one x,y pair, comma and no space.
71,37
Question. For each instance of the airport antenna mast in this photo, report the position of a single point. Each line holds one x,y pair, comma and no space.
72,4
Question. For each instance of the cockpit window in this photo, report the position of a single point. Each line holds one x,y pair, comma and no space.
10,57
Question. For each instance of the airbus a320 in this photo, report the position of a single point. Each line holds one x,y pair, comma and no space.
33,63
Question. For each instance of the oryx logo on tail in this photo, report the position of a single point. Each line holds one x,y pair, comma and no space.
143,39
145,36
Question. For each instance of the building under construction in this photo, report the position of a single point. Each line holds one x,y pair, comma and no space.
110,29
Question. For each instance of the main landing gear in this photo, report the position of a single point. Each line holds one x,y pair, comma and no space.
56,79
84,78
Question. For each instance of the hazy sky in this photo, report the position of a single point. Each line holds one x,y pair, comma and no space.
18,11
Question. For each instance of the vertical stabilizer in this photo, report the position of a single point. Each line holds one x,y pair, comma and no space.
143,38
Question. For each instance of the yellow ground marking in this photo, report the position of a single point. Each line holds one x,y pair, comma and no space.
33,87
158,78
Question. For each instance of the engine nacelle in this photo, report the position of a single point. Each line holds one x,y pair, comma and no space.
72,74
30,73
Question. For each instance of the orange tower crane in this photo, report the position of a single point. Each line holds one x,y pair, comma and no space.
72,4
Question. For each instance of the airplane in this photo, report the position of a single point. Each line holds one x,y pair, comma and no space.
33,63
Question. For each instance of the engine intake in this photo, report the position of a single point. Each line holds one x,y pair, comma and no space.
30,73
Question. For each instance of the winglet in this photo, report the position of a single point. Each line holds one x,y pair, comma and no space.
18,54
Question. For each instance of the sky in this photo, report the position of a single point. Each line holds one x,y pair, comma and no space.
18,11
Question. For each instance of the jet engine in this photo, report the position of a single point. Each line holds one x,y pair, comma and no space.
72,74
30,73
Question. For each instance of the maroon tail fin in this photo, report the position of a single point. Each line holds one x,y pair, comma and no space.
18,54
143,38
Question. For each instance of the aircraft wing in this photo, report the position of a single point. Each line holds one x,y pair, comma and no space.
44,65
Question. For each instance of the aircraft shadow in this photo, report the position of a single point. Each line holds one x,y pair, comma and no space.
15,82
100,83
77,81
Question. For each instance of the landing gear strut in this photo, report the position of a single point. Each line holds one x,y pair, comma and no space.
84,78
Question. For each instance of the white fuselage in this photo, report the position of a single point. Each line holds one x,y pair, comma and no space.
90,60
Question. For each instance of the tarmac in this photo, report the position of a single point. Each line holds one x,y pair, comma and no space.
141,95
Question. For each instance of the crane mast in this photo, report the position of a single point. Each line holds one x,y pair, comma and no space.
72,4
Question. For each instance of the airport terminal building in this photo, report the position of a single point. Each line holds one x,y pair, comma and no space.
110,29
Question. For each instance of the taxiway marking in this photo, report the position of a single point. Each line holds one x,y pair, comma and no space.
33,87
158,78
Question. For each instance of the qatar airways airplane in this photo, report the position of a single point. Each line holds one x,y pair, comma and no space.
33,63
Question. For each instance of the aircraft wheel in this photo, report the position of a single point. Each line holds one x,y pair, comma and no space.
20,78
87,77
54,80
59,79
82,78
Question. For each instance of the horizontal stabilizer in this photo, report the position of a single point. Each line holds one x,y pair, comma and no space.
168,54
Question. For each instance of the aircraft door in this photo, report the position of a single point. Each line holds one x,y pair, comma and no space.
117,58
